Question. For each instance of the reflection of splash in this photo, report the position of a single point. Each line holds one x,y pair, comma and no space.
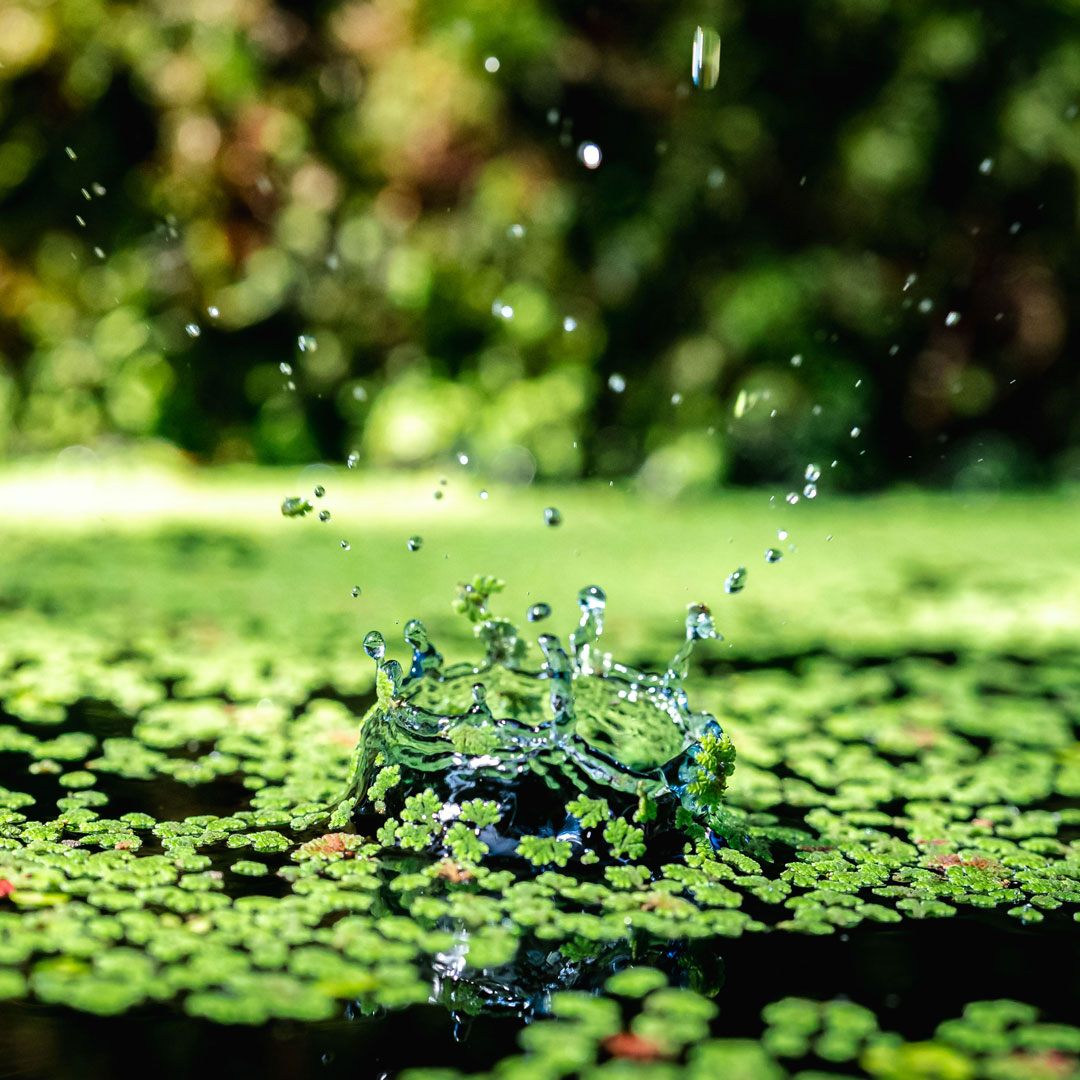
582,724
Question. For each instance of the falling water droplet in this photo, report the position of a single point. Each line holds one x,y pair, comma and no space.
437,494
590,155
986,166
926,305
463,459
538,612
355,591
705,58
213,312
70,153
80,220
796,360
97,189
483,494
374,645
616,383
781,534
320,491
345,545
569,324
773,555
810,491
952,318
516,231
285,368
735,582
193,330
856,432
552,516
909,281
353,460
791,497
415,543
491,65
324,515
813,473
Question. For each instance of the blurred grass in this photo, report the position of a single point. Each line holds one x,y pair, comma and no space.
202,558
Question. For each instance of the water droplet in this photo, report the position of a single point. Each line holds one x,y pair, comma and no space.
345,545
354,592
213,312
415,543
856,432
97,189
320,491
353,460
705,58
538,612
909,281
590,155
1014,228
193,330
552,516
810,491
796,360
491,64
463,459
81,220
437,494
85,194
986,166
616,383
952,318
676,399
791,497
781,534
374,645
812,473
516,231
773,555
99,252
324,515
70,153
926,305
735,582
569,324
285,368
307,343
483,494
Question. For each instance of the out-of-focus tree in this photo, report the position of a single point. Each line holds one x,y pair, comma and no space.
277,232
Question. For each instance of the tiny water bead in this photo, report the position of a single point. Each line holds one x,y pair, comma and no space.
952,318
193,330
285,368
306,343
213,312
616,383
345,545
796,360
516,232
813,473
986,166
438,493
705,58
569,324
590,155
856,432
791,497
320,491
491,65
735,582
355,591
552,516
415,543
773,555
324,515
70,153
482,494
353,460
537,612
781,534
810,491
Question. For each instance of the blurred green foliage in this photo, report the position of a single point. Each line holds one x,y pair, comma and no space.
389,198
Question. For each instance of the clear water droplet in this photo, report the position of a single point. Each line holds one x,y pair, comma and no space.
463,459
306,343
856,432
791,497
415,543
437,494
324,515
812,473
590,155
320,491
345,545
213,312
705,58
735,582
99,252
537,612
483,494
354,592
810,491
285,368
552,516
773,555
374,645
952,318
616,383
796,360
909,281
569,324
491,65
676,399
516,231
986,166
97,189
353,460
71,153
193,330
781,534
926,305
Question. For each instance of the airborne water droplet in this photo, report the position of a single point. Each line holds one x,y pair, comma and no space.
773,555
705,58
735,582
813,473
320,491
791,497
590,155
552,516
355,591
193,330
415,543
324,515
538,612
353,460
856,432
345,545
569,324
307,343
810,491
952,318
285,368
374,645
616,383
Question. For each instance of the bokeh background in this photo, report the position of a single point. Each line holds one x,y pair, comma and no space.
285,232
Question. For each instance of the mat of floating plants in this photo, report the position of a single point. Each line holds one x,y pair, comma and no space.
834,832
